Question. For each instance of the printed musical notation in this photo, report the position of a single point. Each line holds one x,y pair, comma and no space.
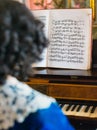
67,40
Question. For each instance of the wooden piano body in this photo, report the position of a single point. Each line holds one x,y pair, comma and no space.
75,91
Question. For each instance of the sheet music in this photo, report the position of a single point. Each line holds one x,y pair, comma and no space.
70,37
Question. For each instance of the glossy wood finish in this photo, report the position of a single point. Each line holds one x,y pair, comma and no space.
66,86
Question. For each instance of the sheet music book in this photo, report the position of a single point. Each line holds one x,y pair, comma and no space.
70,35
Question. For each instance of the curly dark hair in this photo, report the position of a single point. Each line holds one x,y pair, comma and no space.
22,39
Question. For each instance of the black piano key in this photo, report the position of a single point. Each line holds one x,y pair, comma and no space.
68,107
87,108
73,108
93,109
78,109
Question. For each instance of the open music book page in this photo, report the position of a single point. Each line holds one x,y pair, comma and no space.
69,32
44,17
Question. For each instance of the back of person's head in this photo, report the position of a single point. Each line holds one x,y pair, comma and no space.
22,39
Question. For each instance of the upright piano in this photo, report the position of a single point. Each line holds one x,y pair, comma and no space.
75,91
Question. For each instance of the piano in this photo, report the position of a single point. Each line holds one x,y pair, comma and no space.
74,90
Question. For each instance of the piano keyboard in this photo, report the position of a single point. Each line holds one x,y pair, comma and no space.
79,110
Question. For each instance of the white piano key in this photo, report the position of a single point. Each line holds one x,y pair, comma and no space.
73,113
94,114
81,112
70,112
87,114
60,105
64,108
